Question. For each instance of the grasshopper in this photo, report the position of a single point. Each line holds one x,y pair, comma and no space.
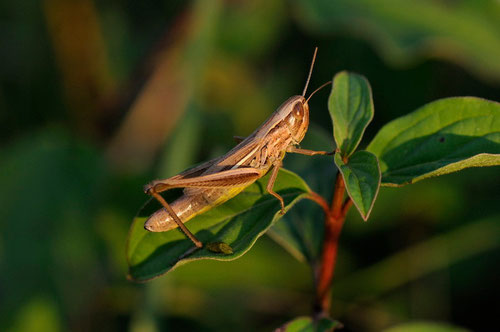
215,182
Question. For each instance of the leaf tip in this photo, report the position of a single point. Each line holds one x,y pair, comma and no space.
365,217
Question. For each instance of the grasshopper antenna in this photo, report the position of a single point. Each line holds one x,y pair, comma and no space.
321,87
310,72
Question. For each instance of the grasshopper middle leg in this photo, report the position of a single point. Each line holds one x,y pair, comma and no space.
270,184
307,152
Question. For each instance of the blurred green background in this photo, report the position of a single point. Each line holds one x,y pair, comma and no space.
98,98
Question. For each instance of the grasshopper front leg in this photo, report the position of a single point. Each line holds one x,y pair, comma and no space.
307,152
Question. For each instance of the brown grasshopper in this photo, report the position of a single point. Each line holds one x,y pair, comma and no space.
216,181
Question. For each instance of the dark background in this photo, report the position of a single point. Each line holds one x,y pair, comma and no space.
98,98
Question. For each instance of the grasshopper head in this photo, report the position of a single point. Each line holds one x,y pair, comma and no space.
297,118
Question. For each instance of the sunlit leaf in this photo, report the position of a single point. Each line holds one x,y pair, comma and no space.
362,179
441,137
351,108
238,223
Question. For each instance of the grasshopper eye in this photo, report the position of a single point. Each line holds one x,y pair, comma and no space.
298,111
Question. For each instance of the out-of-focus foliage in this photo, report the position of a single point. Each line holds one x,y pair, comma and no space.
50,193
93,96
425,326
463,31
307,324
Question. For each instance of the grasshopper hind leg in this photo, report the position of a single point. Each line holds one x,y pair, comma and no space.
151,191
215,247
231,178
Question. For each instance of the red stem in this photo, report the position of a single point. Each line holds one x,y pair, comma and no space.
320,201
334,220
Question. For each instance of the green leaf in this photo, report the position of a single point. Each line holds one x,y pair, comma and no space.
307,324
238,223
468,32
425,326
351,108
441,137
362,179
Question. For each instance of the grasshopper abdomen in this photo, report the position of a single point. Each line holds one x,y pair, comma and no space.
189,205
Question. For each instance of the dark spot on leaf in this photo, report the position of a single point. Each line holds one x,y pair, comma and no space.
441,139
220,248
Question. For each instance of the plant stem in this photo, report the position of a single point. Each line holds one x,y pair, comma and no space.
320,201
334,220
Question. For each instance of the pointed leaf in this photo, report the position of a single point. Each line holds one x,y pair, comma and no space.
362,179
351,108
237,223
441,137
